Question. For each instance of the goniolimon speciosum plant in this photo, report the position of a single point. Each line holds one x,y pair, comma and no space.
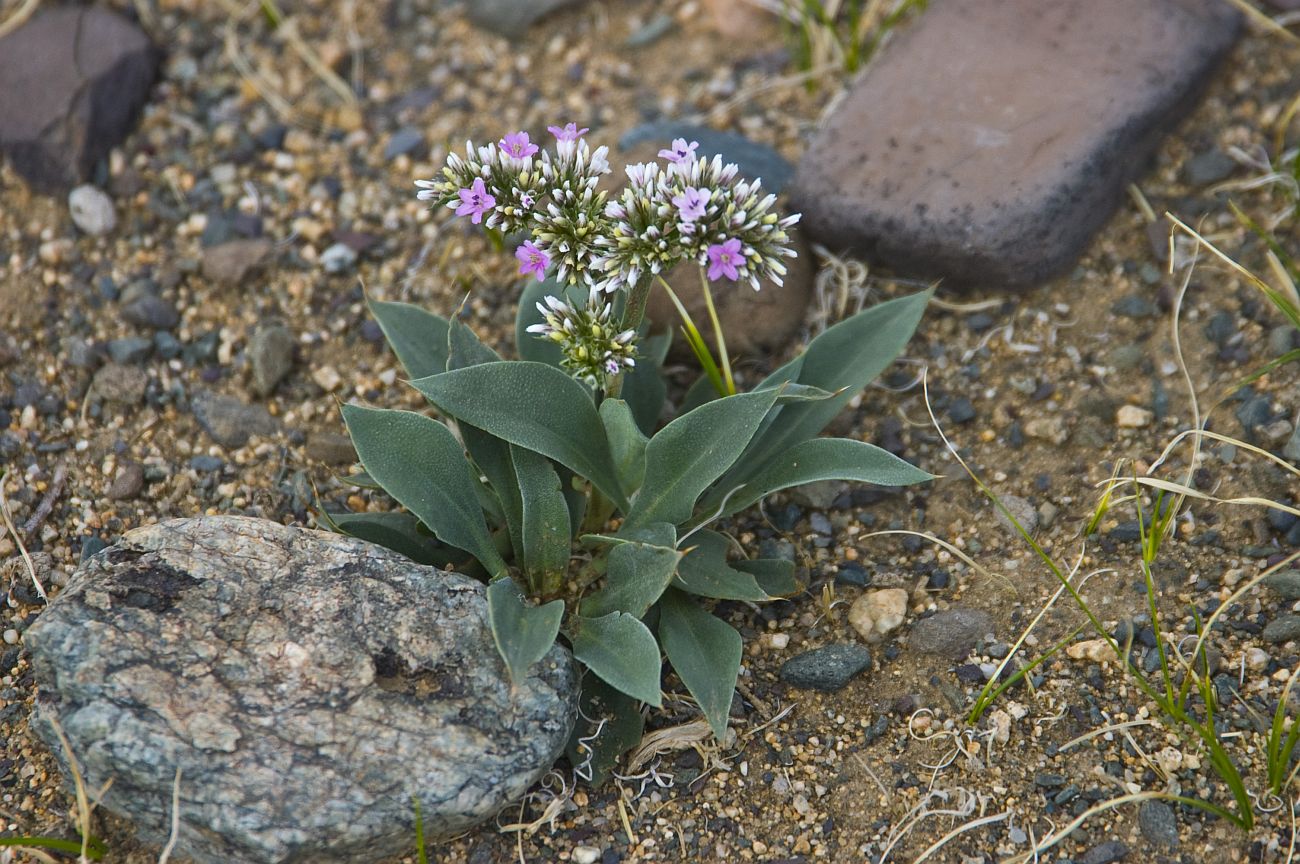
549,476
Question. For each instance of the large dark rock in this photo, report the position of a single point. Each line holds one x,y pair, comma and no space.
993,138
72,81
307,686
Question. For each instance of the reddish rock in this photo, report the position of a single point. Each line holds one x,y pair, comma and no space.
234,261
992,138
72,81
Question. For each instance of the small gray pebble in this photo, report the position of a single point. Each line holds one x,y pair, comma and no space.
1158,822
338,258
1106,853
1283,629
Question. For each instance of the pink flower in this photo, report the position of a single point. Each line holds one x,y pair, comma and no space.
532,260
475,201
723,258
680,151
691,203
517,145
570,132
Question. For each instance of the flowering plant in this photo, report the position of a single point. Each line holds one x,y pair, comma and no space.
550,476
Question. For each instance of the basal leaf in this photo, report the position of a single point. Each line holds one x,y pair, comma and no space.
826,459
464,348
688,454
644,388
609,724
622,651
489,453
654,534
704,570
636,575
397,531
545,520
776,576
534,406
626,442
845,358
697,394
420,463
523,633
705,652
417,337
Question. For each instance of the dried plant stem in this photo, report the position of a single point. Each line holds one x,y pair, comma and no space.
19,18
47,503
9,525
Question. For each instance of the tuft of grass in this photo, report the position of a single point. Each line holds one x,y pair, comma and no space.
842,33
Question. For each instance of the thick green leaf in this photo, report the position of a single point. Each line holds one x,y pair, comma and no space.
420,463
843,359
621,650
697,394
636,575
529,345
575,495
534,406
492,457
827,459
464,348
609,724
626,442
545,519
523,633
644,388
791,392
704,570
397,531
489,453
688,454
654,534
773,575
417,337
705,652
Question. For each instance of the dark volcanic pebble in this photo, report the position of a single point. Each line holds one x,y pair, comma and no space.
1158,822
827,669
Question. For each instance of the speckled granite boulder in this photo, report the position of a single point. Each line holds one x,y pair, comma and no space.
307,685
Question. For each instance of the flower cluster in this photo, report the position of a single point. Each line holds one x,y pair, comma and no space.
694,208
688,207
593,348
513,184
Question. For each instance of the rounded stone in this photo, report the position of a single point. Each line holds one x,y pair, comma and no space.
876,613
270,353
307,686
92,210
952,633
